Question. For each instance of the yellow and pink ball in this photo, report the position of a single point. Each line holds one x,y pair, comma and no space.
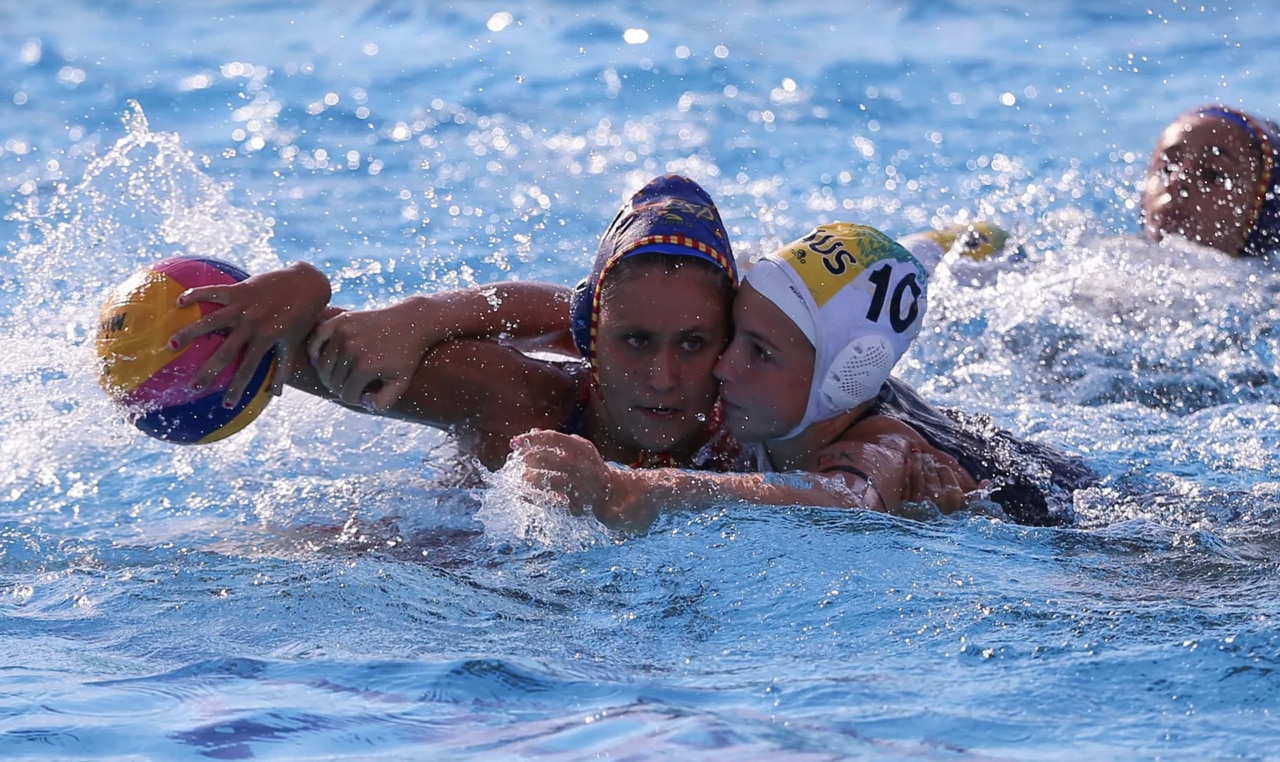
152,382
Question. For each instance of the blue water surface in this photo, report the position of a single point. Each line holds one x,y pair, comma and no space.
322,586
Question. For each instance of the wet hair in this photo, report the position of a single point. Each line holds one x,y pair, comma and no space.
627,269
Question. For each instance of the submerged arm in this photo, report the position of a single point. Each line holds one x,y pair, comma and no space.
631,499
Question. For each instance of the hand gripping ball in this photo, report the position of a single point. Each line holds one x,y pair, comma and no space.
152,382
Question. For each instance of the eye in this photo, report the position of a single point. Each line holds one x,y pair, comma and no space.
693,343
1212,177
761,353
636,340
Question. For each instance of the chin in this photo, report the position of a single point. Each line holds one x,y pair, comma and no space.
660,443
744,431
741,427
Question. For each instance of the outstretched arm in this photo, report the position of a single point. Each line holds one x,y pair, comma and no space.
343,354
623,498
369,357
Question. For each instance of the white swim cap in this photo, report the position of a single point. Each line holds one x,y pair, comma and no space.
858,296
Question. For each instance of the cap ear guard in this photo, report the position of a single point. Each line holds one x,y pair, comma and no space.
580,317
858,372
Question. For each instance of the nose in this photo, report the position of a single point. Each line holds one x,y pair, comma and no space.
664,372
724,368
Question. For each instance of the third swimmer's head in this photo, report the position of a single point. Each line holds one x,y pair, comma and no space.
1214,179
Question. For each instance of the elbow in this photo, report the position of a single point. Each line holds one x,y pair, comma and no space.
315,282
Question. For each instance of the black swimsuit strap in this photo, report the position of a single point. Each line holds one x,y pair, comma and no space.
576,423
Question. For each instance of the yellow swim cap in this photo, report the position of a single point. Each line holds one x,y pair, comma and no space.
975,240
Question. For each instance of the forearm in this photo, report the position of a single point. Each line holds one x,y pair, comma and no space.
368,358
635,497
513,309
700,487
302,374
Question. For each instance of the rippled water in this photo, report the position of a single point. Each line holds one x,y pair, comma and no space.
313,587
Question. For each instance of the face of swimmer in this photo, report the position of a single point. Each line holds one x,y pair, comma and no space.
766,371
660,330
1203,176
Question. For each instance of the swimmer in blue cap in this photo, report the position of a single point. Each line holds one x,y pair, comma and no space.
806,387
1214,179
649,322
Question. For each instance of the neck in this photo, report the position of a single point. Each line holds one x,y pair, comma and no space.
799,453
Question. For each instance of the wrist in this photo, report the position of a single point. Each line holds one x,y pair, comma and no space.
613,476
417,320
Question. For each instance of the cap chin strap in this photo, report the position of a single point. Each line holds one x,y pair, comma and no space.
854,376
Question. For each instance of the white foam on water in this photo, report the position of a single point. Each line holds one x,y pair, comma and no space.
513,511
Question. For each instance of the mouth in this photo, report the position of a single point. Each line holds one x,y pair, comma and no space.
1167,221
1169,216
658,412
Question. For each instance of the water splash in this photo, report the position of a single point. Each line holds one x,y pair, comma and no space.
143,199
1095,320
512,511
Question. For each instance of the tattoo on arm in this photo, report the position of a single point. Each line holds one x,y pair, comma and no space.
828,458
863,475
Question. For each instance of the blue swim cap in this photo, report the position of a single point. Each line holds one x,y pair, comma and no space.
670,215
1264,228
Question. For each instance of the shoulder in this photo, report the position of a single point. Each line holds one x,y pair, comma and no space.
872,444
520,395
551,391
878,429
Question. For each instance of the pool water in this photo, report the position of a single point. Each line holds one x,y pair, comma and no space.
320,585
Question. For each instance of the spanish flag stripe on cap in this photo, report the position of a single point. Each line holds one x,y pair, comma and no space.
672,240
679,240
